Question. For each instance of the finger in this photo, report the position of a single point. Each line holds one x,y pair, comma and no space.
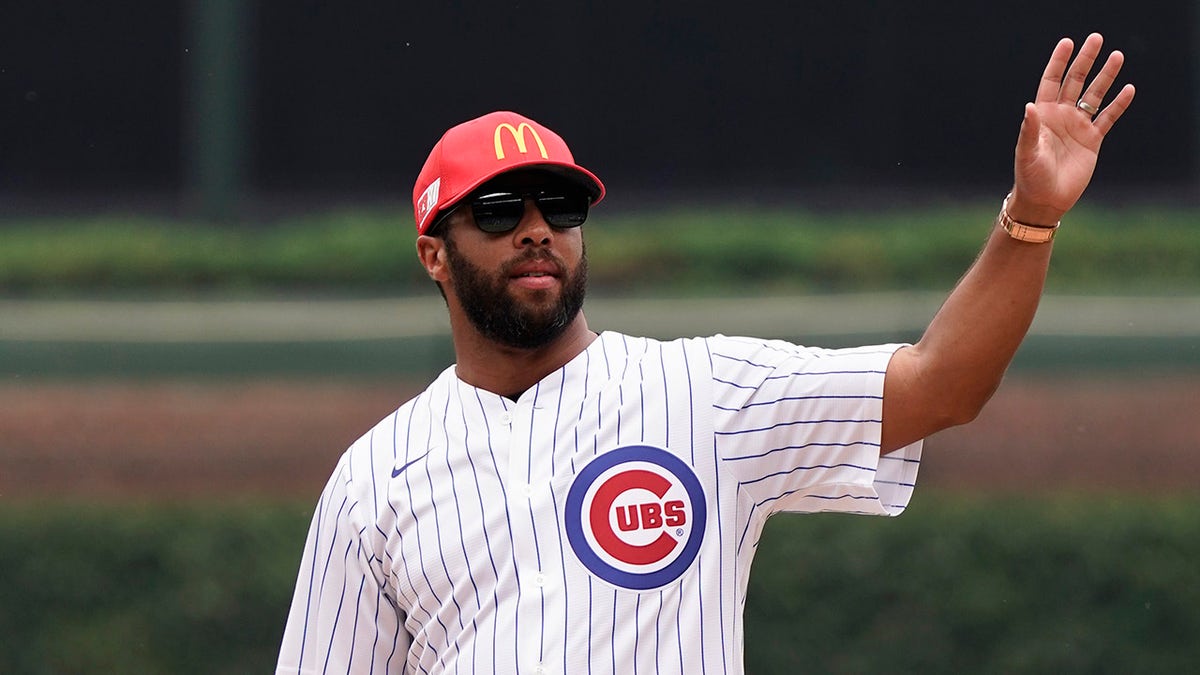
1098,89
1113,111
1052,77
1027,138
1077,74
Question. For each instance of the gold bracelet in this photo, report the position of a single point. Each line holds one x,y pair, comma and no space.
1034,234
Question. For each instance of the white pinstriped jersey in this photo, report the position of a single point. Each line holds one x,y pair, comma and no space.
605,522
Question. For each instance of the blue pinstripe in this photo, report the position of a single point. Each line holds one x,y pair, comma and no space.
716,488
458,513
721,548
793,423
341,599
486,537
533,526
420,546
512,546
805,446
562,554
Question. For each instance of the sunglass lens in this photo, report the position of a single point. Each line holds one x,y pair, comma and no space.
563,209
498,212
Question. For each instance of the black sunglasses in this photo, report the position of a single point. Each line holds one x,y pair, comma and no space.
497,210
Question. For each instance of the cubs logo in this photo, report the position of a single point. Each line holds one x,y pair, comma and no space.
635,517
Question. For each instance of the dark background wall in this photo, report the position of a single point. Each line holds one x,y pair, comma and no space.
707,95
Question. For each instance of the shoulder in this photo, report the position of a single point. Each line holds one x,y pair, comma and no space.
699,354
371,458
739,352
622,346
619,352
741,365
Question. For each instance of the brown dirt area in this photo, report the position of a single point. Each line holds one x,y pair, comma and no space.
116,440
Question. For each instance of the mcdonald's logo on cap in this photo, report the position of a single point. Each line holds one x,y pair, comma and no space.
518,134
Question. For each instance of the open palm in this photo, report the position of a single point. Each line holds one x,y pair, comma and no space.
1060,139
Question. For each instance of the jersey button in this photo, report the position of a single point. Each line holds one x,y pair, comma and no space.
506,418
528,491
539,580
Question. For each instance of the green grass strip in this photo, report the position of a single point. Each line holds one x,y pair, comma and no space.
669,251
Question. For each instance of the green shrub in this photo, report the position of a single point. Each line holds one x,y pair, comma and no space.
146,590
990,586
676,251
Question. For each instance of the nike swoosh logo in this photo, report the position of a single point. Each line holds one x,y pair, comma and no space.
397,472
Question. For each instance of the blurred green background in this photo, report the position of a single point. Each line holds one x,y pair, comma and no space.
208,290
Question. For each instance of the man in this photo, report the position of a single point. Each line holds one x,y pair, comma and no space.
562,501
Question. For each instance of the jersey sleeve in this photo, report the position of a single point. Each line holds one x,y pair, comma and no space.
342,619
800,427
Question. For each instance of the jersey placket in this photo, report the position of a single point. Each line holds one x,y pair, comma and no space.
529,496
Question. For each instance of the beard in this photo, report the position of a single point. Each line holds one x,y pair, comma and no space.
501,317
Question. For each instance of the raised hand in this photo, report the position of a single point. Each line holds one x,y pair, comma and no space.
1062,131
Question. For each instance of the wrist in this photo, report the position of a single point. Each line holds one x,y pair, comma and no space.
1033,233
1022,211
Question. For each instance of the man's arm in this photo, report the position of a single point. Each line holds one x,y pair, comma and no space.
947,377
341,618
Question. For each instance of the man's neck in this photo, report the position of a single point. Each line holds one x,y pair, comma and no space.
509,371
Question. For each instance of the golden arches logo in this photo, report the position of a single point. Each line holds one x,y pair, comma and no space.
518,134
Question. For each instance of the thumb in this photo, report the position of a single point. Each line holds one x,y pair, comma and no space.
1027,139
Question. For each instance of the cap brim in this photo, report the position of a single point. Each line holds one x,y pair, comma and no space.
578,175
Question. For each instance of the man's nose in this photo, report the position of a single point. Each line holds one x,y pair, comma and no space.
533,228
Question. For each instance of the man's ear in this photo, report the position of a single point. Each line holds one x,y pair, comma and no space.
431,251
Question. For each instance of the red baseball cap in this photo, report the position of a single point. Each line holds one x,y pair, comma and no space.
478,150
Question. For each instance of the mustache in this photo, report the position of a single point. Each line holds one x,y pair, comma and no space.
541,255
